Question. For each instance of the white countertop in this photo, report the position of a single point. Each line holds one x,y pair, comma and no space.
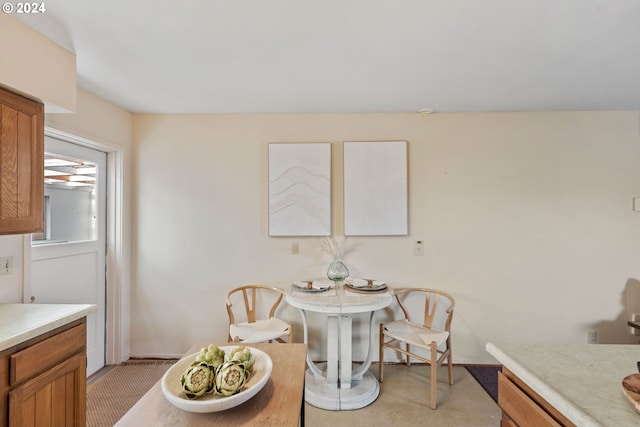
21,322
582,381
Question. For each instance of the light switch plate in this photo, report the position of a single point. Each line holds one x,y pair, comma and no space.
418,248
6,265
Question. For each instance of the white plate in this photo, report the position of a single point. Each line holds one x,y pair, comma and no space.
364,284
316,286
172,389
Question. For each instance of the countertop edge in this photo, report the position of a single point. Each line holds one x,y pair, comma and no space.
548,393
55,315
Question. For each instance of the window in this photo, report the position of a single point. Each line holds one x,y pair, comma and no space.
69,205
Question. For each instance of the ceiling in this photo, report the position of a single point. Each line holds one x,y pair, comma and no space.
295,56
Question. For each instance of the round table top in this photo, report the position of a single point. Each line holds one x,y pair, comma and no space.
339,300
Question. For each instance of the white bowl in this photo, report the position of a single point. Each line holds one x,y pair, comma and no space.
173,392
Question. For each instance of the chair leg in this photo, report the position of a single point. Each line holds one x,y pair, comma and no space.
408,362
381,355
434,373
450,368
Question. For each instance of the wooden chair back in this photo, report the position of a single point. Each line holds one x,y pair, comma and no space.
434,301
250,298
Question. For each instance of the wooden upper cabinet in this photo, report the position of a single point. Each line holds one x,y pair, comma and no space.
21,164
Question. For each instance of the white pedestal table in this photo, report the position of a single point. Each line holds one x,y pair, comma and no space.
337,386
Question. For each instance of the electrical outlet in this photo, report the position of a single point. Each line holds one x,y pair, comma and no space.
418,248
295,248
592,336
6,265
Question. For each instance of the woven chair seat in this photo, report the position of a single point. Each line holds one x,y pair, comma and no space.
260,330
414,334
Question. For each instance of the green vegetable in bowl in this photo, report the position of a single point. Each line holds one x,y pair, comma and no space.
230,378
243,355
213,371
210,355
198,380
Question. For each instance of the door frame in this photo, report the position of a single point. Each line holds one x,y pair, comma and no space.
118,269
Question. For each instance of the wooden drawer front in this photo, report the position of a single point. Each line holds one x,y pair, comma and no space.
506,421
523,410
54,399
45,354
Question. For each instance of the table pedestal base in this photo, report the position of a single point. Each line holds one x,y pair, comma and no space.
328,396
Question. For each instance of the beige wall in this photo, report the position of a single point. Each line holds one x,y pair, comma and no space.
96,121
526,219
106,127
34,65
25,54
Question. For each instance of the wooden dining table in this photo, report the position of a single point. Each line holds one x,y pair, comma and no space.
279,403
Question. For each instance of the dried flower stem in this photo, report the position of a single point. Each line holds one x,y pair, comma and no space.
332,248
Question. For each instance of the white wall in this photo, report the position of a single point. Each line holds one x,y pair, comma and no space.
11,284
526,219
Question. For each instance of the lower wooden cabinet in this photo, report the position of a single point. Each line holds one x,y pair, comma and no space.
44,383
523,407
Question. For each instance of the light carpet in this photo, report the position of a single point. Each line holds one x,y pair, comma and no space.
118,388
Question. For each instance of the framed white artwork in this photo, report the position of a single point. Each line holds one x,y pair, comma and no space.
375,188
300,189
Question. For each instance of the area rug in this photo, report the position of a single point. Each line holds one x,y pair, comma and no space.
115,391
487,376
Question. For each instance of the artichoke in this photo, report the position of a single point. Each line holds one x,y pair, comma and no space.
243,355
210,355
230,378
198,380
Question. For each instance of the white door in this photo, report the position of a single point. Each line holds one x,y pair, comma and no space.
68,258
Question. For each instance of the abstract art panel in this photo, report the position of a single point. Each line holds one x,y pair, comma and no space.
375,188
299,189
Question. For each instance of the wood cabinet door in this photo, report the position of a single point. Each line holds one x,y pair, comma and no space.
21,164
56,398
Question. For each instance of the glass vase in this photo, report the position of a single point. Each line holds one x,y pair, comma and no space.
337,271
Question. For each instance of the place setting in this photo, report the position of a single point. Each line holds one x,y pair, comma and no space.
365,286
312,286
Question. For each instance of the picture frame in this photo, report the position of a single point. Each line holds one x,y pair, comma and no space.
300,189
375,188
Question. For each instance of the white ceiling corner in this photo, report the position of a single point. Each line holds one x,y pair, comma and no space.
290,56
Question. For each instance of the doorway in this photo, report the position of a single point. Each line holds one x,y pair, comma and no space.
68,258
